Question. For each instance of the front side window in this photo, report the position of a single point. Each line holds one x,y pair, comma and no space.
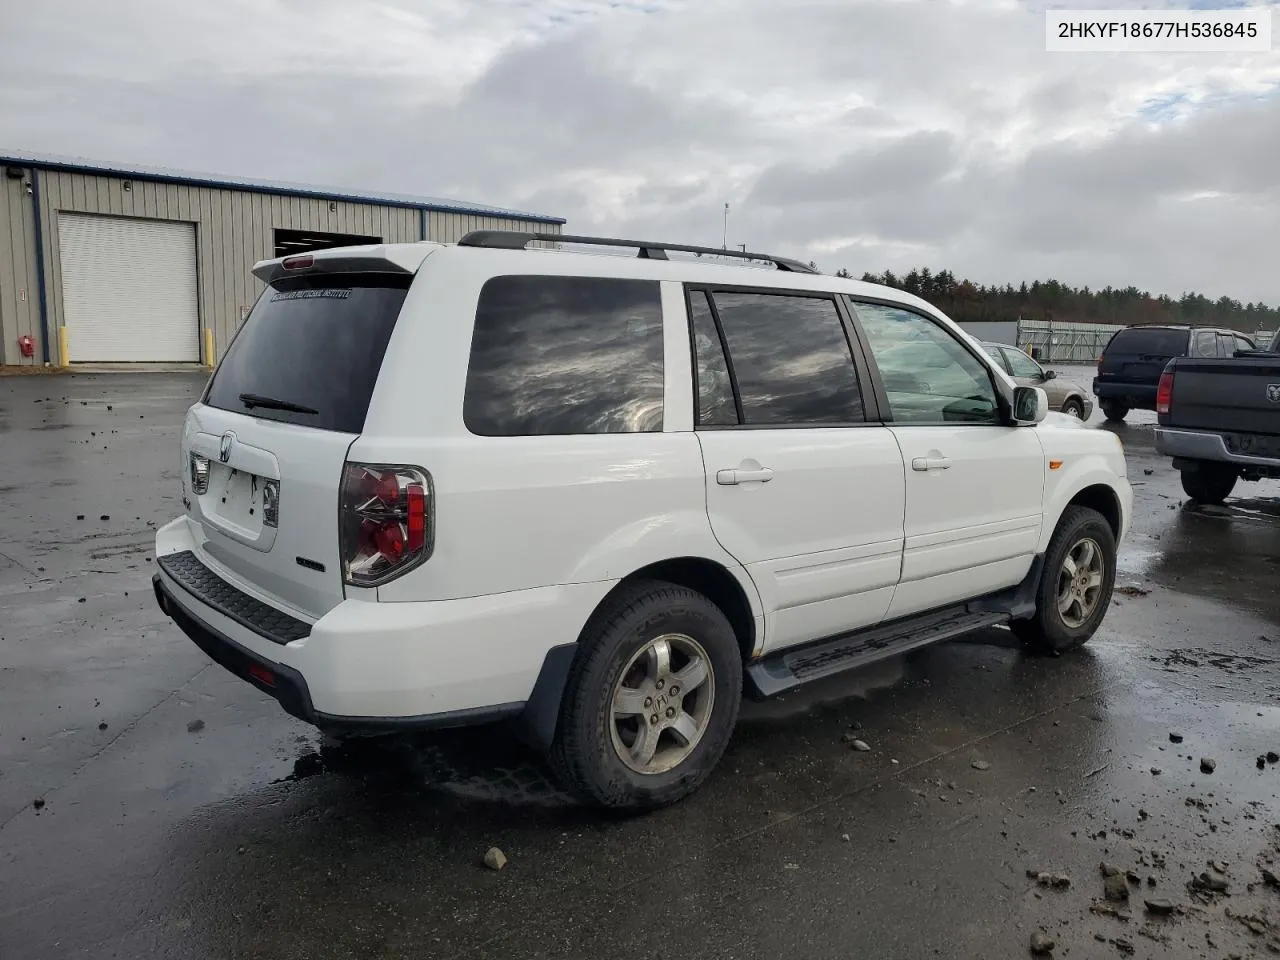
1228,344
929,376
1242,344
1021,365
565,355
791,359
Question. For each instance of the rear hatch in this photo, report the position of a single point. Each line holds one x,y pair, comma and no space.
273,429
1139,354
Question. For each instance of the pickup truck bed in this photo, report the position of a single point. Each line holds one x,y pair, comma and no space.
1220,421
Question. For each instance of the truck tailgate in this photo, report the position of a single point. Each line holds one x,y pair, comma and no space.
1240,395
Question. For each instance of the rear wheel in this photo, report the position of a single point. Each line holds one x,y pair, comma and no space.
1073,407
1209,482
652,698
1075,584
1114,410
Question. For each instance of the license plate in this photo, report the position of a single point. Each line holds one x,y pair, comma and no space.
235,498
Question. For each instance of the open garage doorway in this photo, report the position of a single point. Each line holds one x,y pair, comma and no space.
289,242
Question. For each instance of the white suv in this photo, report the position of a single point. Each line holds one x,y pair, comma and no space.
434,485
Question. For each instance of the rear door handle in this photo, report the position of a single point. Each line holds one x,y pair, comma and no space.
729,478
925,464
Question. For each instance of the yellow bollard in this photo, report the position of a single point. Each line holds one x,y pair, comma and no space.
64,359
210,359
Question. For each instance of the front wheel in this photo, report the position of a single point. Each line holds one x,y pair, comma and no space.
1075,584
652,698
1210,482
1074,408
1114,411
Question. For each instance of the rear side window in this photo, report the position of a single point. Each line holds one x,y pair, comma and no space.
996,354
1020,365
565,355
1204,343
1156,342
790,359
715,391
310,351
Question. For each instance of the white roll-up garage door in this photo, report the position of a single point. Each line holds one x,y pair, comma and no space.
129,289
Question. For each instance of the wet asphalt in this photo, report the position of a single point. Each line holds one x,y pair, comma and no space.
151,805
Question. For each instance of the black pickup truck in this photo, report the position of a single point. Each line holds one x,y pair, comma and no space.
1220,420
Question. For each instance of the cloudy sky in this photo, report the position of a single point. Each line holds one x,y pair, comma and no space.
866,134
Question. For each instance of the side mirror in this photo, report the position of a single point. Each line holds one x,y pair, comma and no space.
1050,375
1030,406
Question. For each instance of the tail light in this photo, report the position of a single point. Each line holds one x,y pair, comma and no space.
298,263
386,521
199,474
1164,392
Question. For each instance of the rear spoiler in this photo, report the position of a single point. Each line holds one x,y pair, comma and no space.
401,259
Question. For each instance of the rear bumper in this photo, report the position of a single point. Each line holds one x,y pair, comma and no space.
1203,445
1141,395
371,667
289,687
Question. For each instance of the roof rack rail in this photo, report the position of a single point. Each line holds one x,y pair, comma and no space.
518,240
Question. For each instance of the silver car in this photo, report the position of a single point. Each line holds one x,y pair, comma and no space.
1063,394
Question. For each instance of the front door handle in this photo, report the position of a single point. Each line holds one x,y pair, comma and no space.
738,475
925,464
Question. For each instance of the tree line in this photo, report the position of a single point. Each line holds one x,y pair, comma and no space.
964,300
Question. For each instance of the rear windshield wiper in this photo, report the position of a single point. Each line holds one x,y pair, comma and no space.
252,400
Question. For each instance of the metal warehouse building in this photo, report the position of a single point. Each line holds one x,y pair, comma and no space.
107,264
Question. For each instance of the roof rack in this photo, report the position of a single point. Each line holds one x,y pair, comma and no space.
518,240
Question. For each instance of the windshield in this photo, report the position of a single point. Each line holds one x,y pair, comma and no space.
310,351
1161,342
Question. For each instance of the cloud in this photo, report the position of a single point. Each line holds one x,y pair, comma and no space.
870,135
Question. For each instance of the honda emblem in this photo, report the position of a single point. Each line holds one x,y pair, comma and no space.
224,450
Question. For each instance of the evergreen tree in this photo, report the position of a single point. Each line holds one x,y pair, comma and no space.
1041,299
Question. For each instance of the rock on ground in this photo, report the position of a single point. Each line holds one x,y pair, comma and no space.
1042,944
1116,887
495,859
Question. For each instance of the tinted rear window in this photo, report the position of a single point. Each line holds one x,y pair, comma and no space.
315,342
1162,343
565,355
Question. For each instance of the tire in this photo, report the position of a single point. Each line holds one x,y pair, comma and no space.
1210,482
588,751
1050,630
1074,408
1114,410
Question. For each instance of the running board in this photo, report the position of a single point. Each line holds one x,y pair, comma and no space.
791,668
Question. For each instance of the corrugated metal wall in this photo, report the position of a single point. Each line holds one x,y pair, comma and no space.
233,231
992,331
19,288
